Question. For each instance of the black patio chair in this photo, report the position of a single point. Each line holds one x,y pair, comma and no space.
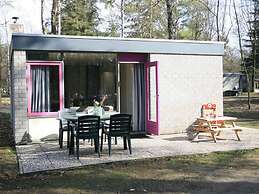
120,126
88,128
63,127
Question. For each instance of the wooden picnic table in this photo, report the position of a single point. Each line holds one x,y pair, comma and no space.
215,125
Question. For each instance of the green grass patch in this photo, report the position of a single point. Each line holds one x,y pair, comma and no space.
8,165
237,107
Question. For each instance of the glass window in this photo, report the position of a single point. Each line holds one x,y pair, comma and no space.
89,76
152,93
44,88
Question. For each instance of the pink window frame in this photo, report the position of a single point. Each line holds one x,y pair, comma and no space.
29,86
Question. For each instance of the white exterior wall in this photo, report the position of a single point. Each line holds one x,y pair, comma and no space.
43,127
185,82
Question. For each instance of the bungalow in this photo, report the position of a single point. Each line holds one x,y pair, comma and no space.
162,83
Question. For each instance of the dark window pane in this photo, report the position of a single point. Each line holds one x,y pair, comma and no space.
45,88
88,76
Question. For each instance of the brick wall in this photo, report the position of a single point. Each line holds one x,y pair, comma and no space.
19,96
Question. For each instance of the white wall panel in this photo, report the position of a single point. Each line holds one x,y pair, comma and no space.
185,82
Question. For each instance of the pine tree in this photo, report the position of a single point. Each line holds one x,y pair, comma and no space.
252,60
79,17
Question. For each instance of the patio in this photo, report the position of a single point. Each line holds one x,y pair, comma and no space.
48,155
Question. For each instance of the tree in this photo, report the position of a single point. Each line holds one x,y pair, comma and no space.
41,16
122,8
79,17
177,17
113,27
173,19
116,21
140,19
250,14
3,68
197,23
169,5
242,55
231,60
55,11
145,19
4,51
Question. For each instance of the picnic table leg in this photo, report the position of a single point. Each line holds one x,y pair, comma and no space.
236,131
211,132
196,136
213,136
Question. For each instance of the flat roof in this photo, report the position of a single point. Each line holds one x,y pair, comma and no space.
62,43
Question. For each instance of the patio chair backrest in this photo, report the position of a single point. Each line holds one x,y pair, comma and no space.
62,121
88,125
120,124
60,113
209,110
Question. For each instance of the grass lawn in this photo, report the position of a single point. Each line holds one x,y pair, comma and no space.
237,107
234,172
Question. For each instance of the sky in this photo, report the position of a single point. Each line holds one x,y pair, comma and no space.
28,12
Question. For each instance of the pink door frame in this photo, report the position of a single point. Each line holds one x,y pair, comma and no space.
152,127
132,57
29,86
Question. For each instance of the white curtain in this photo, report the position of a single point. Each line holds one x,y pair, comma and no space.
40,98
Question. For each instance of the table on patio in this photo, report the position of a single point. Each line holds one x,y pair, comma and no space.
70,117
215,125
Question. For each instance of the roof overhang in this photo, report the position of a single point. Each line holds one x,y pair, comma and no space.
57,43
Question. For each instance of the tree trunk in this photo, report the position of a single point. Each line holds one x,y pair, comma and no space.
254,45
217,21
122,18
59,17
41,16
242,57
169,19
151,20
54,15
254,62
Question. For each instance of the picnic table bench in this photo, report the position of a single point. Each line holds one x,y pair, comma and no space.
215,125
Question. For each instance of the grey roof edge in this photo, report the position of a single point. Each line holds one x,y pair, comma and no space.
117,38
23,41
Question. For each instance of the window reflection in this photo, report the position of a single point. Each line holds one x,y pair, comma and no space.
90,76
87,76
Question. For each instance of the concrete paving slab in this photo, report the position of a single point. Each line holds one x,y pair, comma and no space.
48,155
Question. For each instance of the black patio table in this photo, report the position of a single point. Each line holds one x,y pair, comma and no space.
72,118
